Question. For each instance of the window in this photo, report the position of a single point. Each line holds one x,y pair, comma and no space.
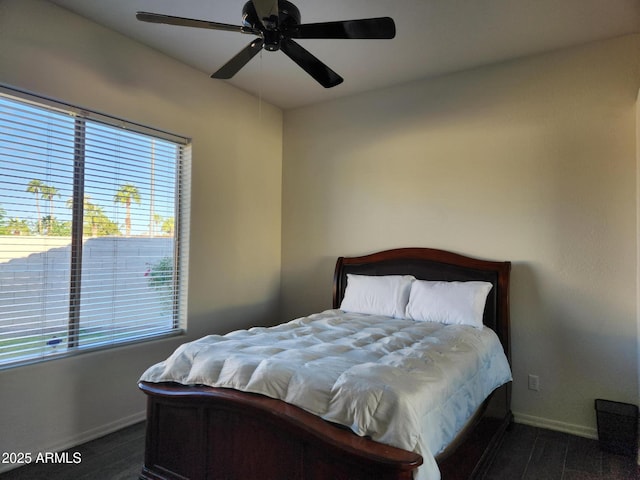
93,230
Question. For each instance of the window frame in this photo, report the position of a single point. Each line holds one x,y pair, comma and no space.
181,229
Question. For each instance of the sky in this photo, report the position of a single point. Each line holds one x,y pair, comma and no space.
38,144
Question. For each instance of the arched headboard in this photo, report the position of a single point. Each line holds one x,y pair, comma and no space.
433,264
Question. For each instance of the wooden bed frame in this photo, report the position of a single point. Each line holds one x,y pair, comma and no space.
202,432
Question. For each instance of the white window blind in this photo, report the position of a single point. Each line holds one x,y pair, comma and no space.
93,230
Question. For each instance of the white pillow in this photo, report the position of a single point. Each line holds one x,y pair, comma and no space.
455,303
377,295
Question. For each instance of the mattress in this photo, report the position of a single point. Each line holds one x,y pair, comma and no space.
405,383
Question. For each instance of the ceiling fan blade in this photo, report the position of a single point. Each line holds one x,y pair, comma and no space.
310,64
190,22
267,11
383,28
232,67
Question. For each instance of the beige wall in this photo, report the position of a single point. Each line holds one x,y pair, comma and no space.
638,234
531,161
236,210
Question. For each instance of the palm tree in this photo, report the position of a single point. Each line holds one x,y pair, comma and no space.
128,193
35,187
48,192
92,215
3,213
157,221
168,226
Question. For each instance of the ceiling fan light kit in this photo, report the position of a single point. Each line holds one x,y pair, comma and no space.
276,23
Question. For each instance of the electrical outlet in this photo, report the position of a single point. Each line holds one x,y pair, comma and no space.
534,382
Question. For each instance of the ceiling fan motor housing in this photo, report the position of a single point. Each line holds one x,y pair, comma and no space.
288,14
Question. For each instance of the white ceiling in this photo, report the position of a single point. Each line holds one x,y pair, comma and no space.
433,37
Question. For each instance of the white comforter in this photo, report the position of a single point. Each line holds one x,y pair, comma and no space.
408,384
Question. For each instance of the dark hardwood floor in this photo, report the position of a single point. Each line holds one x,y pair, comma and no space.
527,453
118,456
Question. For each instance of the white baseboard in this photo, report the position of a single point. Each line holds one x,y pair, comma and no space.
83,437
540,422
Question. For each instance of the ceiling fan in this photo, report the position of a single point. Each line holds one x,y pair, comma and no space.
276,23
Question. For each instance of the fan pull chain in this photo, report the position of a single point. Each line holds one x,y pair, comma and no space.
260,82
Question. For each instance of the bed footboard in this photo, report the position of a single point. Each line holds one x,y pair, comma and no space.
205,433
211,433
